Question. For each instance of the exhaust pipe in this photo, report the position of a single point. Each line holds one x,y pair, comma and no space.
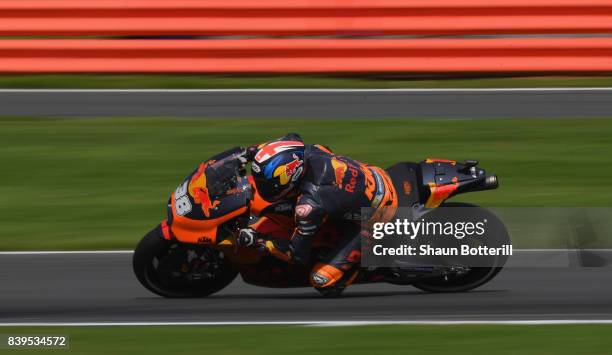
491,182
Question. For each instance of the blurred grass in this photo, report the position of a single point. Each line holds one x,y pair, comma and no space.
265,340
102,81
102,183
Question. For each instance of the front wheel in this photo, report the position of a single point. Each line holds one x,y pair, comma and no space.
177,270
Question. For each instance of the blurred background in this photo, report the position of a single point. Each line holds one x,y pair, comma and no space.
275,43
74,183
88,164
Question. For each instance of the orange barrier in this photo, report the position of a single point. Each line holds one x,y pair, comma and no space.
282,18
307,55
301,17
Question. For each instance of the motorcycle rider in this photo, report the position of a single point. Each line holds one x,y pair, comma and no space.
327,187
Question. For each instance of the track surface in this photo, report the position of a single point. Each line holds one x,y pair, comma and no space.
344,104
101,288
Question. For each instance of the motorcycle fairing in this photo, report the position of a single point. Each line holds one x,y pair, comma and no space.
433,181
405,178
442,179
211,195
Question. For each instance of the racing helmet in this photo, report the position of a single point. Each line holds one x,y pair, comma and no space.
277,168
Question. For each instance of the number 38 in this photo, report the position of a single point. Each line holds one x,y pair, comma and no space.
181,200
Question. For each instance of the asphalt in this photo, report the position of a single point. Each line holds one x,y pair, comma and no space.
311,104
102,288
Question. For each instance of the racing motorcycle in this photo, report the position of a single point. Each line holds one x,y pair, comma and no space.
194,253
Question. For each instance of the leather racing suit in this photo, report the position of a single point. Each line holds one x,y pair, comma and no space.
335,188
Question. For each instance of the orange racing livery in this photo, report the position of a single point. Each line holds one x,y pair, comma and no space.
194,253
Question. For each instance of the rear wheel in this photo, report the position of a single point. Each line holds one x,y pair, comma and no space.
459,282
172,269
468,278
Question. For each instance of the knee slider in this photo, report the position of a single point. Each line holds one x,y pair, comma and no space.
325,275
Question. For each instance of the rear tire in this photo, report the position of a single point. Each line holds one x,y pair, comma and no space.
177,270
475,276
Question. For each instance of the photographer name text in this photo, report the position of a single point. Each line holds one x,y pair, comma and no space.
428,250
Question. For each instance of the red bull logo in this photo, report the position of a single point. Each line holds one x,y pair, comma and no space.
340,169
289,171
199,191
352,183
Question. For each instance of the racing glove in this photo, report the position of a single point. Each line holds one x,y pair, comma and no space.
281,249
248,237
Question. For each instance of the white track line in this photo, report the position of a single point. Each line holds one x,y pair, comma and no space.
76,252
66,252
312,323
413,90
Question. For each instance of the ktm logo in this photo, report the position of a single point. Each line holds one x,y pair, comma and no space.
204,240
289,171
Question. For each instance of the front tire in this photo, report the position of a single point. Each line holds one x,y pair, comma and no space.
176,270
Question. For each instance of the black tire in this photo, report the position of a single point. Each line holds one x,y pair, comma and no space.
155,264
476,276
